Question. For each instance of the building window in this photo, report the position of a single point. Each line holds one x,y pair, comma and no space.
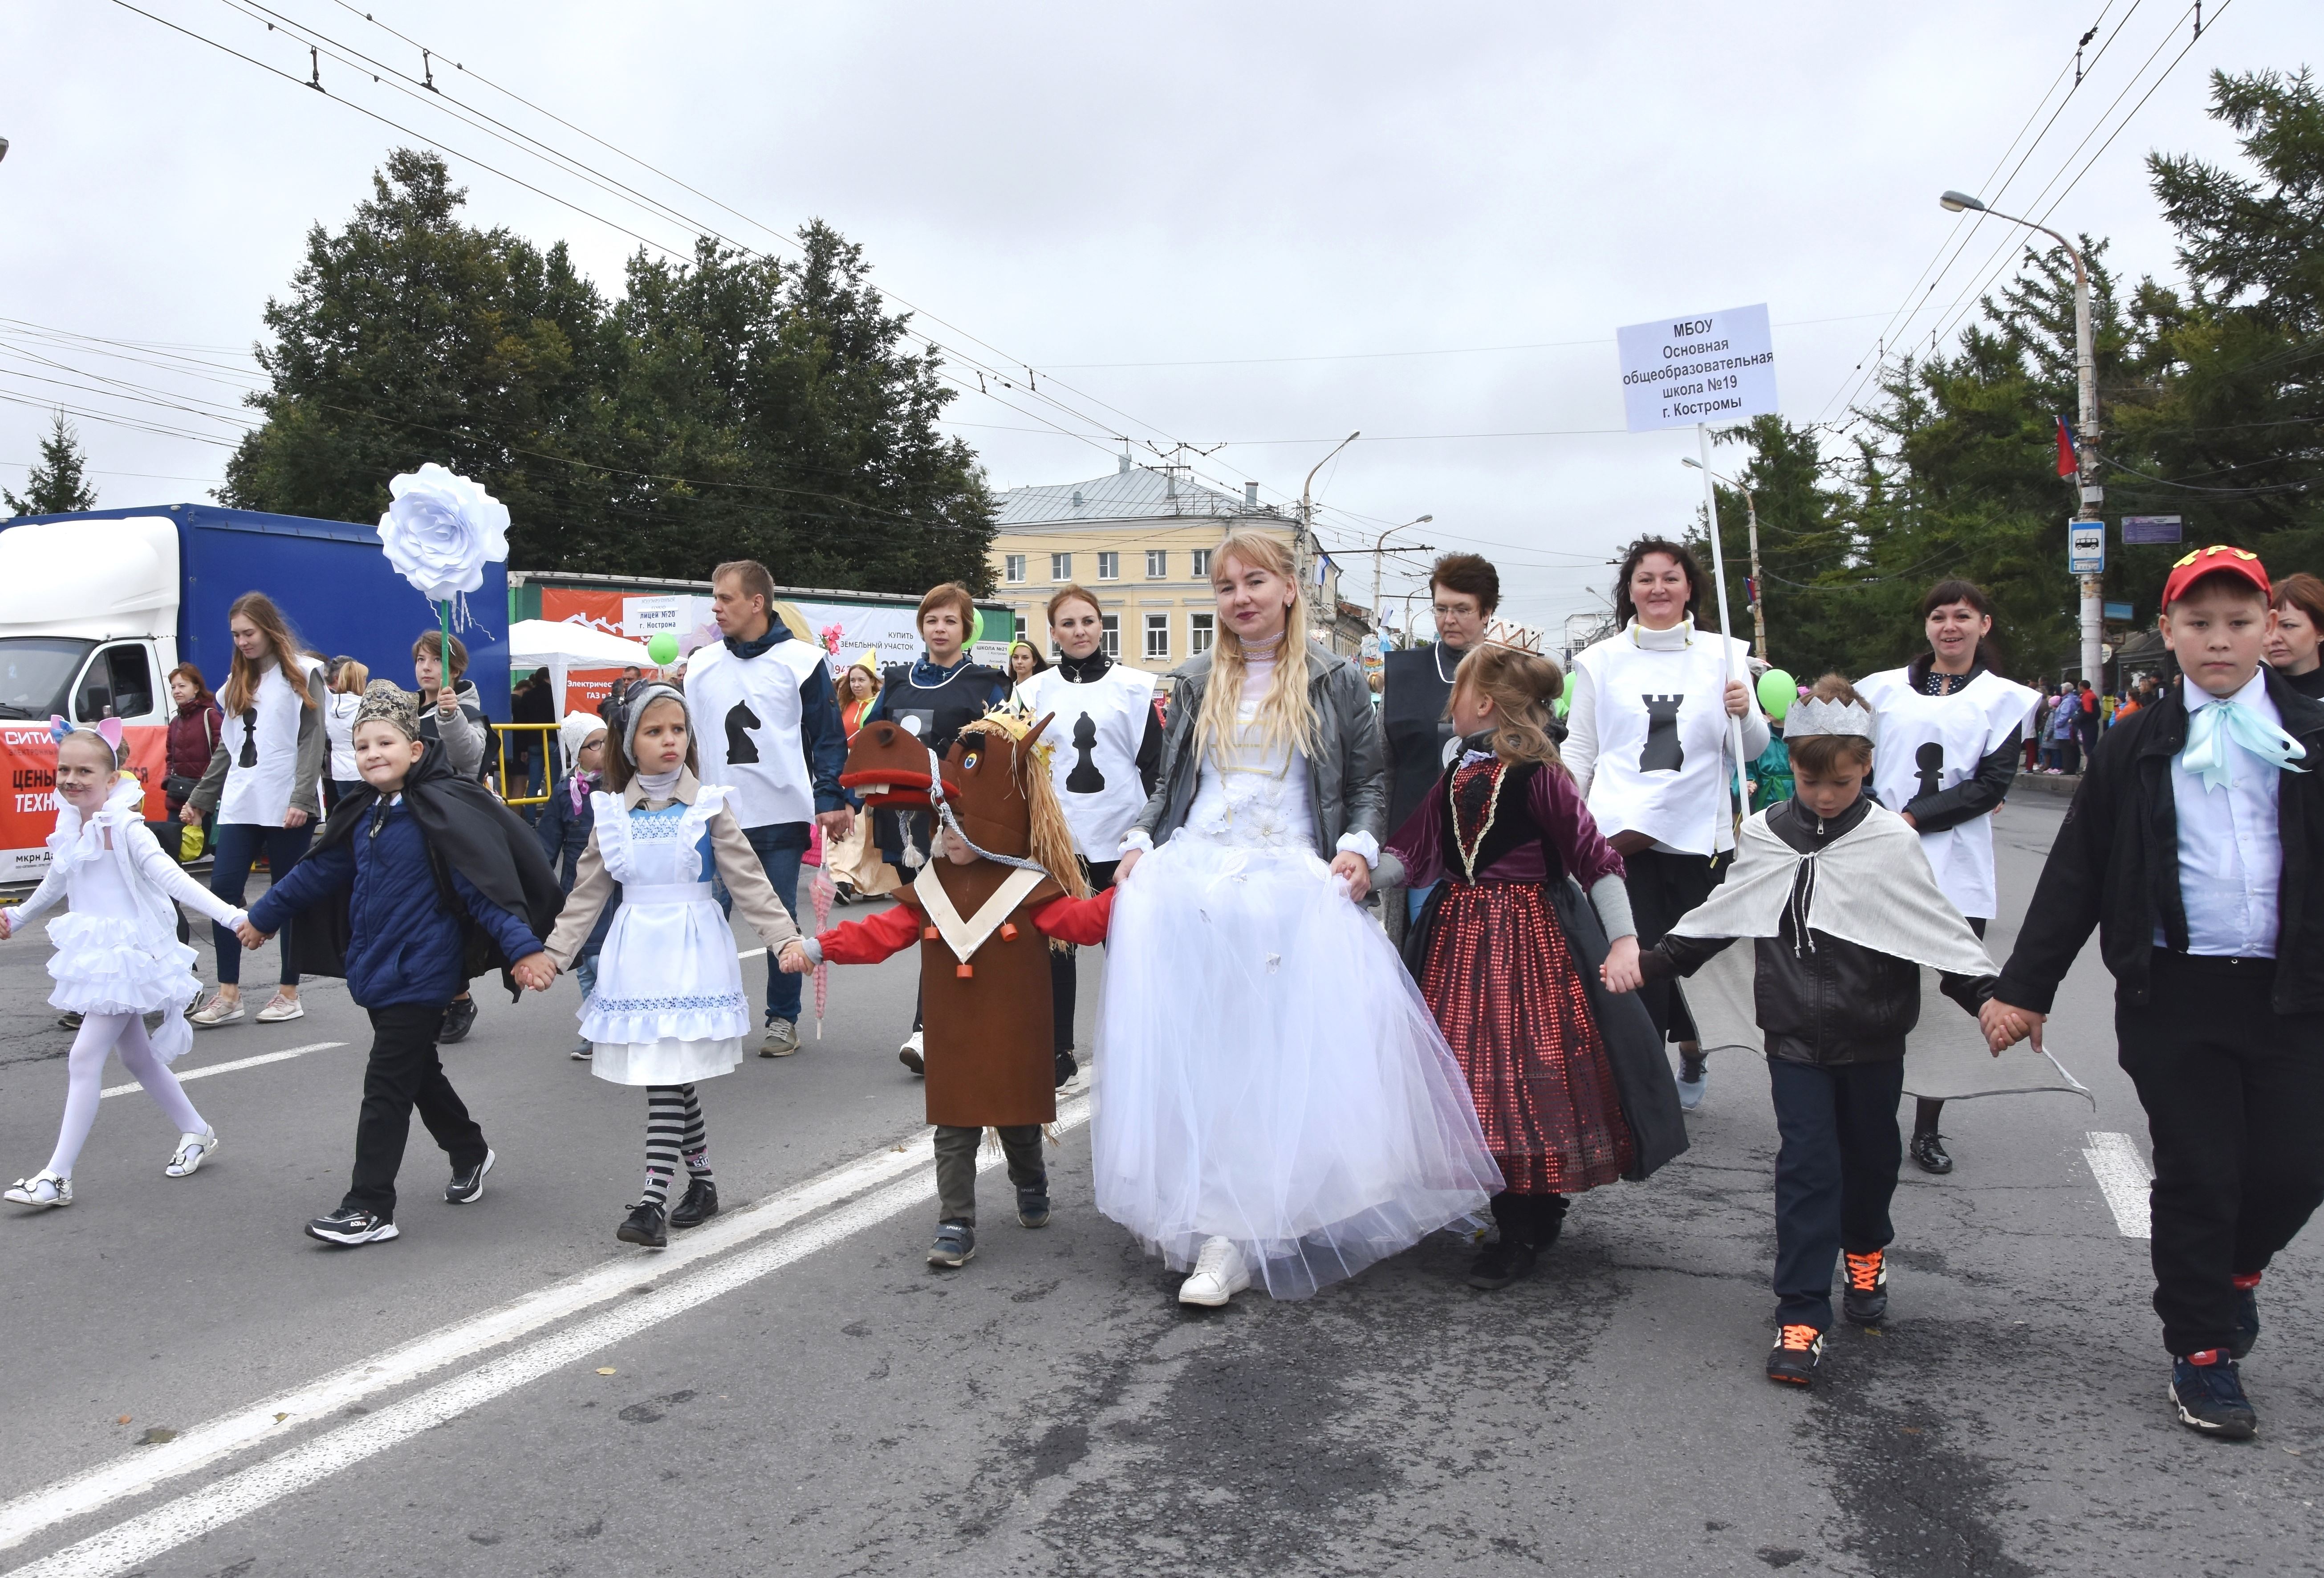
1202,564
1019,633
1110,640
1109,567
1157,564
1013,566
1200,625
1061,566
1158,635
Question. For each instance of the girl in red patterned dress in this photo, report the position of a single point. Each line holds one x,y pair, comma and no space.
1569,1079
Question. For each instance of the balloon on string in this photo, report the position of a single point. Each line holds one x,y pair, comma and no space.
1777,691
1563,704
975,628
662,648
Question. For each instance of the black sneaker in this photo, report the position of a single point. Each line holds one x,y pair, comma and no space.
1066,1068
700,1205
1866,1300
1798,1351
643,1225
1498,1265
467,1184
956,1245
349,1226
1033,1205
1929,1153
2246,1316
2209,1396
459,1019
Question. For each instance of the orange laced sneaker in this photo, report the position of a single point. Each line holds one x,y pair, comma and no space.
1797,1351
1865,1301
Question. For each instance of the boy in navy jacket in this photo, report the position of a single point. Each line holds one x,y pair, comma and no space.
383,880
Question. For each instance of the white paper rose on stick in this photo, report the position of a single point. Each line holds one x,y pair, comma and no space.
440,530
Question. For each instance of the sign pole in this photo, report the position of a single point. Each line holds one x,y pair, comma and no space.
1719,581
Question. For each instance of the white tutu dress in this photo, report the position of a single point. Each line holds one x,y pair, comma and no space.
117,951
1268,1072
668,1008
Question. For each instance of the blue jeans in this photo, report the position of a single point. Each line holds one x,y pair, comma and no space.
238,846
779,845
1416,899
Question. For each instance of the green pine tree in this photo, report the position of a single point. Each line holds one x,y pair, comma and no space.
59,482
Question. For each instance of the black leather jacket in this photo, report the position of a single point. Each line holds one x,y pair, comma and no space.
1824,1002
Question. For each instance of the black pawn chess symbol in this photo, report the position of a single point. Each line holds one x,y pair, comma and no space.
741,751
249,757
1663,751
1930,759
1084,778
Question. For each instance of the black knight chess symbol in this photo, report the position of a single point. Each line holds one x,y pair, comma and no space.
249,757
1085,779
1663,752
1930,759
741,751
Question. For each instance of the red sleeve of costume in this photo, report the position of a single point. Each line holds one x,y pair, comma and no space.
1076,920
867,942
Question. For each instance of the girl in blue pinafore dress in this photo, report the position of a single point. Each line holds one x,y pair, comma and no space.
668,1008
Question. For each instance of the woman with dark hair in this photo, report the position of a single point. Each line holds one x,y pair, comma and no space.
2299,621
1951,733
1416,691
1648,742
1025,661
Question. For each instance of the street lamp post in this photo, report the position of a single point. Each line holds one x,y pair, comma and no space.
1379,548
1306,529
1751,510
2092,493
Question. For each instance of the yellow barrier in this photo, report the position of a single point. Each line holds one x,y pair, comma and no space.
547,748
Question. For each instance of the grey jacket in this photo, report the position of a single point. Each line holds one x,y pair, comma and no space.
1346,773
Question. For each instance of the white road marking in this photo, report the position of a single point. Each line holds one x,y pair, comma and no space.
123,1090
885,1170
2123,1177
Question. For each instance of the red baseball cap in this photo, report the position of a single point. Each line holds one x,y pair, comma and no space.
2216,560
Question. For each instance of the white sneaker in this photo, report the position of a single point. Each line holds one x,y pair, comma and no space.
218,1011
193,1149
1219,1275
279,1009
912,1055
43,1188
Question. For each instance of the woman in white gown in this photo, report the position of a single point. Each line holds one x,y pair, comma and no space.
1273,1099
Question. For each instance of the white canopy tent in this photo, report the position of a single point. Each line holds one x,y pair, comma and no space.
561,647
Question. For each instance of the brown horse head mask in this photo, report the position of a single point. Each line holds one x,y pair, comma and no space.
986,777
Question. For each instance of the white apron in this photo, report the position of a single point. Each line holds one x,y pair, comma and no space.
1930,743
262,751
1093,751
746,715
668,1008
1662,737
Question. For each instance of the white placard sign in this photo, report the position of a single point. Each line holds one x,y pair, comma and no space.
1705,367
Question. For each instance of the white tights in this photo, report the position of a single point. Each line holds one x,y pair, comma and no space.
101,1033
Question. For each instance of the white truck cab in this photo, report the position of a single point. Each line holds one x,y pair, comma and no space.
89,619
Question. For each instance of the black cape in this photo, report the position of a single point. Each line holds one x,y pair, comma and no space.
467,829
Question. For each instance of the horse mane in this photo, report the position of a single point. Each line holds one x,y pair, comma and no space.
1049,839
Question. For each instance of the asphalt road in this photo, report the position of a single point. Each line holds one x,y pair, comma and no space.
802,1394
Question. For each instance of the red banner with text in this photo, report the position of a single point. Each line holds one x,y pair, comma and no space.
29,814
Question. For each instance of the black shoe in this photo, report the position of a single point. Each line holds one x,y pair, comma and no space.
643,1225
1066,1068
467,1184
1866,1300
1033,1205
1797,1351
459,1019
1499,1265
1929,1153
349,1226
700,1205
2209,1396
956,1245
2247,1320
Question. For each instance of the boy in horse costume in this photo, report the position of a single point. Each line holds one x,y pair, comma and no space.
1006,877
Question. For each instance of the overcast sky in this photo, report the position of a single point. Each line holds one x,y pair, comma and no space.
1260,227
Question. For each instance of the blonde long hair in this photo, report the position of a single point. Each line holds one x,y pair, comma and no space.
1521,685
1287,718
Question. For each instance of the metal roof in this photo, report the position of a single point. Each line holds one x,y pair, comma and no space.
1139,493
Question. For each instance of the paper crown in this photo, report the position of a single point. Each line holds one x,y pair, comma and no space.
1810,718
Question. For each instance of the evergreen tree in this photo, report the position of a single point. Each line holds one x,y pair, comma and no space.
58,483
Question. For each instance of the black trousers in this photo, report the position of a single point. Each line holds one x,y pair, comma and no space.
405,1073
1663,888
2233,1094
1065,965
1835,1173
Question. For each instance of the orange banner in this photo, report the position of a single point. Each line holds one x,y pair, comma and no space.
30,812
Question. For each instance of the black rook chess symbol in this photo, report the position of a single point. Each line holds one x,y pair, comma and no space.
1084,778
741,751
1663,752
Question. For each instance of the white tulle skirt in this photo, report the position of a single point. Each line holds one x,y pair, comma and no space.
1269,1074
102,967
668,1008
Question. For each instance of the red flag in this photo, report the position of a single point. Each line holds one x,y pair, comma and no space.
2067,464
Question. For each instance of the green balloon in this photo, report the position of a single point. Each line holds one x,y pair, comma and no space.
1564,701
663,649
976,628
1777,691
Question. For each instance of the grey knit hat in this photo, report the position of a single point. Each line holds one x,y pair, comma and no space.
387,702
